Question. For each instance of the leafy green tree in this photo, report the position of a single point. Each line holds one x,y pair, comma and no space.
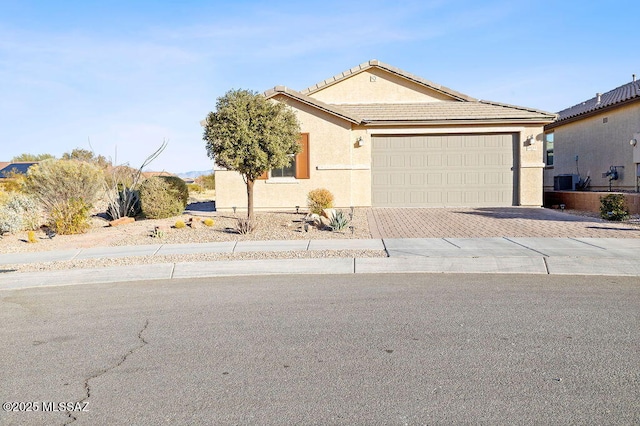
31,157
251,135
87,156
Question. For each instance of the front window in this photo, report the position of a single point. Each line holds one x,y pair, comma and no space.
548,146
287,171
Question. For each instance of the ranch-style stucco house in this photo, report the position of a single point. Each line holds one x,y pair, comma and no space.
378,136
590,140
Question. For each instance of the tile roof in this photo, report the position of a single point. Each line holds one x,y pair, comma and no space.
152,174
444,111
462,108
627,92
331,109
397,71
19,167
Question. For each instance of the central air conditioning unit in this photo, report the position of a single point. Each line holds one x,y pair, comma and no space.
565,182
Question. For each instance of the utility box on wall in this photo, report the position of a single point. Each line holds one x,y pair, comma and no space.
565,182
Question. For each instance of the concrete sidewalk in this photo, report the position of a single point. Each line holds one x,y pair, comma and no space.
572,256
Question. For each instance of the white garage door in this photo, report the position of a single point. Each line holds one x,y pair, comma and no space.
472,170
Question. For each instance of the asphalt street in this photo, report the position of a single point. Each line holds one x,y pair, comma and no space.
325,349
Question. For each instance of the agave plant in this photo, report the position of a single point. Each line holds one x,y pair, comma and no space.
338,221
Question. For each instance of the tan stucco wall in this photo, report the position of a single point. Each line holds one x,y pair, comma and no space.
387,88
332,145
333,155
598,146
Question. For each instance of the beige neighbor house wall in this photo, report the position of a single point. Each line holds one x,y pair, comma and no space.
600,141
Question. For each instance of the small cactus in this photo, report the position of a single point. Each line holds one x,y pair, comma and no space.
31,237
179,224
209,222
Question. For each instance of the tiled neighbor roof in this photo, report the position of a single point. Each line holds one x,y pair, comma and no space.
463,108
19,167
627,92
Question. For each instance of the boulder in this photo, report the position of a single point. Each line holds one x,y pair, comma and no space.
122,221
323,222
328,213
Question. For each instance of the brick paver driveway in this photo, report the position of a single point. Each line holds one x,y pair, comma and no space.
491,222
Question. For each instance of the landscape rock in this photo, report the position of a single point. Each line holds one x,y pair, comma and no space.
328,213
122,221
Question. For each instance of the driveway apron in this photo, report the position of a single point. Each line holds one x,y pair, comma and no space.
491,222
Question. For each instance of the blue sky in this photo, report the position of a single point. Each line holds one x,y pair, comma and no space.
125,75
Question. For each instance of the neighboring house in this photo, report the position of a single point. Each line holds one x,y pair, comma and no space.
6,168
147,175
378,136
590,138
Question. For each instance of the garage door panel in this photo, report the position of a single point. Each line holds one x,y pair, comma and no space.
397,179
434,160
416,179
454,160
443,170
416,161
434,179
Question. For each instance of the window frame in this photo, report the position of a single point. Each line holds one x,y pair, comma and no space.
300,164
549,149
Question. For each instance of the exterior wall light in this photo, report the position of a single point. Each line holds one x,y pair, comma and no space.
633,142
360,141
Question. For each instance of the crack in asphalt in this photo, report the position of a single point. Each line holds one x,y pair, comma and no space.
87,386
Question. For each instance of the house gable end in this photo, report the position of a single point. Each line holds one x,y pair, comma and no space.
376,82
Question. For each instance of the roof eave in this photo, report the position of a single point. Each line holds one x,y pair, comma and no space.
589,114
450,122
292,94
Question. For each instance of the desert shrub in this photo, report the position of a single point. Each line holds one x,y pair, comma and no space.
246,225
124,202
31,237
70,217
121,190
66,190
10,220
19,212
338,221
13,181
613,207
180,187
207,181
179,224
208,222
319,199
194,187
159,199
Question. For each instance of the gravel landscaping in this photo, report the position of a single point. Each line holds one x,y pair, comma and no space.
271,226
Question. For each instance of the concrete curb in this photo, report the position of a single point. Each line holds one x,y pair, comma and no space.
498,255
475,265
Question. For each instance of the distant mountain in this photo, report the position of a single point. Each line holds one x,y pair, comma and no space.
194,174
